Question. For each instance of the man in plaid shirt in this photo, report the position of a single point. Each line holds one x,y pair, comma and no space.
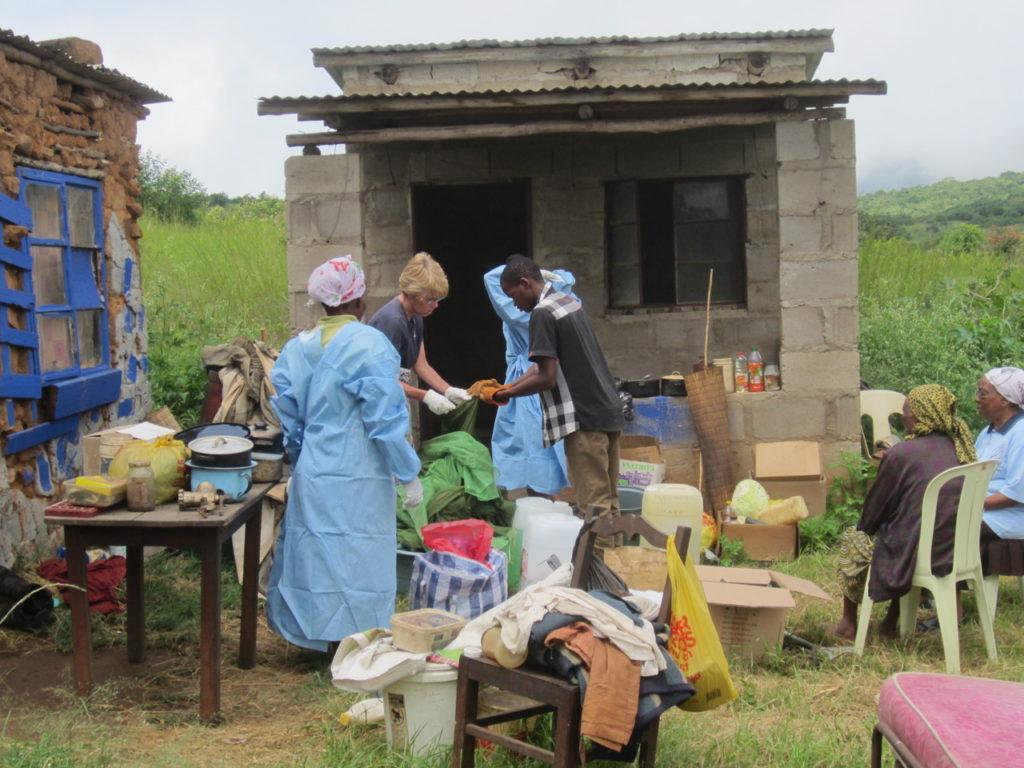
579,401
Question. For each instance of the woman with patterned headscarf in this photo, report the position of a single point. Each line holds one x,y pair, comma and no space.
886,536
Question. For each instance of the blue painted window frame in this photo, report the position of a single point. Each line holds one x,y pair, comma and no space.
69,310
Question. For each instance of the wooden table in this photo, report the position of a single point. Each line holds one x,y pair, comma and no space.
166,526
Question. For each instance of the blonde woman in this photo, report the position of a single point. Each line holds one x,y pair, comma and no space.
422,285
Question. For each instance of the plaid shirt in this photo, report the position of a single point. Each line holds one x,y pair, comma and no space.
557,409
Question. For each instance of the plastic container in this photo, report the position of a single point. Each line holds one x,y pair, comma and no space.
234,481
549,533
110,444
755,371
740,372
630,500
668,505
772,378
728,372
95,490
421,710
424,630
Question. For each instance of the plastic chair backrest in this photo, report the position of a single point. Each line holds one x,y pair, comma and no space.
879,405
966,552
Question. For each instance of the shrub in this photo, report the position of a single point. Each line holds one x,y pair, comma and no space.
845,501
962,238
169,193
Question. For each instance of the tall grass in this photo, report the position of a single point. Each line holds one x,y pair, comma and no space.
209,284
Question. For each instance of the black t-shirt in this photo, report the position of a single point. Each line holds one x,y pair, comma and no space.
404,333
559,328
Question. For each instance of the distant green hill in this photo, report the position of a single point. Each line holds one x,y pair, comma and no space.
924,213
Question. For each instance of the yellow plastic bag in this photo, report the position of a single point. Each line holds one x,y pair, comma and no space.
693,641
166,457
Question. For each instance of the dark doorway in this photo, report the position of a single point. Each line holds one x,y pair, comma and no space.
469,229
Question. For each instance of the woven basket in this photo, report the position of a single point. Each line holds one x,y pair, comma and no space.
706,393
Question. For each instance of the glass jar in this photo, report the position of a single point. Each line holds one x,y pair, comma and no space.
141,491
772,379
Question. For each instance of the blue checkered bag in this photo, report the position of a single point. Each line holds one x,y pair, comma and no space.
458,584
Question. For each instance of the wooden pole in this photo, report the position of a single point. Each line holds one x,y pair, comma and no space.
707,317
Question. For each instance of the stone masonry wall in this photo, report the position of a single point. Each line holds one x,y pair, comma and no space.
801,253
37,111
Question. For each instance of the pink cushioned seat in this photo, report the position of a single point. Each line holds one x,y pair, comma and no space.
947,721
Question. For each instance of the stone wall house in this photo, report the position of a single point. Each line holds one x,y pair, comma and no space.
73,337
638,164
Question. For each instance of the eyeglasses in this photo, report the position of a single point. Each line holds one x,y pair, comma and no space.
430,300
983,394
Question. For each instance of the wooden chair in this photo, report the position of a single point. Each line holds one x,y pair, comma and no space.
966,565
551,694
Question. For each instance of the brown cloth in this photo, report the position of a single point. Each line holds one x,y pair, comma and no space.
613,687
102,578
485,389
892,513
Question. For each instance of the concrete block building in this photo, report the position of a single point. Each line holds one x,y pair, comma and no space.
73,337
639,165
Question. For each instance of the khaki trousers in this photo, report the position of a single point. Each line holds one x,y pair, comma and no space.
593,464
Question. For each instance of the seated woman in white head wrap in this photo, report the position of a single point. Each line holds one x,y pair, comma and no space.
1000,399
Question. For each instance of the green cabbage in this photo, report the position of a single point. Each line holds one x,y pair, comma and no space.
749,499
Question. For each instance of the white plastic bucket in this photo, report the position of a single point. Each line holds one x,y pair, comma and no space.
420,710
666,506
549,533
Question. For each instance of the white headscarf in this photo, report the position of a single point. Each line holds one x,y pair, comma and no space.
1009,382
337,281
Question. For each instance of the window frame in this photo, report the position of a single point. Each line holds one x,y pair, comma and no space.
70,309
737,193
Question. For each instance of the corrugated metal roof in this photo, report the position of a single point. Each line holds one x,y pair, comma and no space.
790,84
111,78
575,41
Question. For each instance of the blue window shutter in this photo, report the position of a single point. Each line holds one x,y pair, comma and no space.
18,343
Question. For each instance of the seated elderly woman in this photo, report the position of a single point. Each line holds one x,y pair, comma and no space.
887,534
1000,398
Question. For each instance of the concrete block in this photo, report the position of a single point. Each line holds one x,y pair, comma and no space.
816,280
737,420
762,189
557,200
514,160
842,326
800,234
563,231
388,207
844,235
785,418
457,163
388,240
324,218
844,417
304,258
732,334
763,299
802,327
836,371
762,261
586,157
802,192
796,141
647,158
713,157
382,169
300,315
842,140
322,174
679,334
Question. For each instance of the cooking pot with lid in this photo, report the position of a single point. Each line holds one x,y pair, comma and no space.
673,385
221,452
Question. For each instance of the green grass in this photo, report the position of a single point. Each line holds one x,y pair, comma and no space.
209,284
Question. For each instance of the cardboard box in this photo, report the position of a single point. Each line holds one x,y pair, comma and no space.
792,468
91,442
640,461
765,542
749,606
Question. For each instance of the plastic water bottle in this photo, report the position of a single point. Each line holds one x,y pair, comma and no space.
363,712
740,372
755,371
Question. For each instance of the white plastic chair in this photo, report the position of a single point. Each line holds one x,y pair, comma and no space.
966,566
879,405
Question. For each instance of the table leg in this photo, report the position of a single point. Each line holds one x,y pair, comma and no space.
136,605
80,631
209,630
250,577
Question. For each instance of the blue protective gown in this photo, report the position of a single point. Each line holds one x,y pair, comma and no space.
344,418
520,458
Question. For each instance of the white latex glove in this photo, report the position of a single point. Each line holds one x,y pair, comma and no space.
413,493
549,276
438,404
457,395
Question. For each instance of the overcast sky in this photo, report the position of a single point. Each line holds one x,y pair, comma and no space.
954,108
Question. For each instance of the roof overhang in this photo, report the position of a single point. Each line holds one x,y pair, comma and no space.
491,114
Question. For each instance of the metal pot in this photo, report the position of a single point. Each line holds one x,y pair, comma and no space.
209,430
645,387
673,385
269,467
221,452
